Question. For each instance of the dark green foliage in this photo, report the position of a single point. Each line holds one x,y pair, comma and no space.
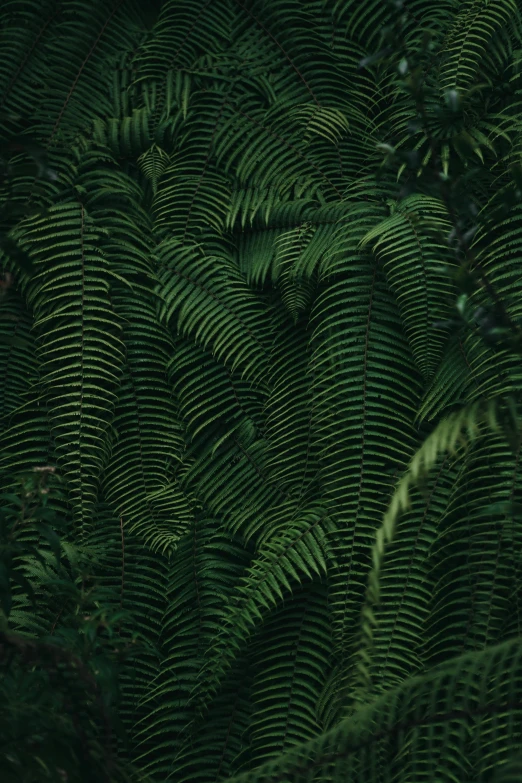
260,314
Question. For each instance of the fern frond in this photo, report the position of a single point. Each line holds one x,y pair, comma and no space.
454,431
469,36
212,304
79,344
296,554
412,262
410,728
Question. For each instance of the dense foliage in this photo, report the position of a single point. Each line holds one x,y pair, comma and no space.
260,337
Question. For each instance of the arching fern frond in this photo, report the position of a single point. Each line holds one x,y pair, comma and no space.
79,342
213,305
476,24
456,430
411,248
411,727
296,554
